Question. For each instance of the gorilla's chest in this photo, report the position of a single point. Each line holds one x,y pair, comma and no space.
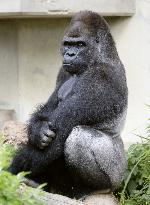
66,88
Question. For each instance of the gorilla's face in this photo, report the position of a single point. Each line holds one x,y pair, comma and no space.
85,42
76,54
77,48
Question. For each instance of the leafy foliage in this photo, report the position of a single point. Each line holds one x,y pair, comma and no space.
12,191
135,189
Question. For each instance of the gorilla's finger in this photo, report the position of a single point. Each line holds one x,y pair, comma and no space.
46,139
49,133
44,144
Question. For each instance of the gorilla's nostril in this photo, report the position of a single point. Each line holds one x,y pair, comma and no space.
70,54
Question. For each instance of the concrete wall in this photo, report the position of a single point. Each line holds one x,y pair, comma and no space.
8,71
64,8
30,60
132,36
39,60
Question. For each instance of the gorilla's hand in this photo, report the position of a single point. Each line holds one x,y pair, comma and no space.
40,133
46,135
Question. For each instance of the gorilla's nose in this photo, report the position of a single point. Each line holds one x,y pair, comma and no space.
70,54
69,57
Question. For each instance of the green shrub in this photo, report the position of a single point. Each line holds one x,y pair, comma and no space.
12,191
135,189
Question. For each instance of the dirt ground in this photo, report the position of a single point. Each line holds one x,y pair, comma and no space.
14,133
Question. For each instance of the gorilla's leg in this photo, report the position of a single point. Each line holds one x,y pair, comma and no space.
55,173
96,159
30,158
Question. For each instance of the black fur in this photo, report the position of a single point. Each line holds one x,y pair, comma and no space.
91,92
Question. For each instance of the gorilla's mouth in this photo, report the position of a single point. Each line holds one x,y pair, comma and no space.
66,64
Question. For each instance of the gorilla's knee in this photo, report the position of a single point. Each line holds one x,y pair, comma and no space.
95,158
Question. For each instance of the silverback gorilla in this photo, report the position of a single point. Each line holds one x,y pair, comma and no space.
74,139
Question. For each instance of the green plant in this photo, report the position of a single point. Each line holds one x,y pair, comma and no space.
135,189
12,191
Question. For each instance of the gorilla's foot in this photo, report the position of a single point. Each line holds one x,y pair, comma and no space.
30,182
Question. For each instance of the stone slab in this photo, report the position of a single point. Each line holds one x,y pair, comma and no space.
64,8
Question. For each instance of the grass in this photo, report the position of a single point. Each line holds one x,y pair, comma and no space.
12,190
135,189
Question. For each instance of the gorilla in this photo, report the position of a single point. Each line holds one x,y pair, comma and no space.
74,141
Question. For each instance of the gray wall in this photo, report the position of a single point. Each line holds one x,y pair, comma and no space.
8,71
29,63
39,61
30,60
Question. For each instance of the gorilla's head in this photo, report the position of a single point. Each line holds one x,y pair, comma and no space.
87,41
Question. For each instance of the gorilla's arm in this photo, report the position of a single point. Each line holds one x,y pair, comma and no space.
38,122
98,98
89,107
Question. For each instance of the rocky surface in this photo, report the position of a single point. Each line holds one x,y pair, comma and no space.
101,199
95,199
14,133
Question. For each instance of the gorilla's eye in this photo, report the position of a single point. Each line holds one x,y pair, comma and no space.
80,43
67,43
74,43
